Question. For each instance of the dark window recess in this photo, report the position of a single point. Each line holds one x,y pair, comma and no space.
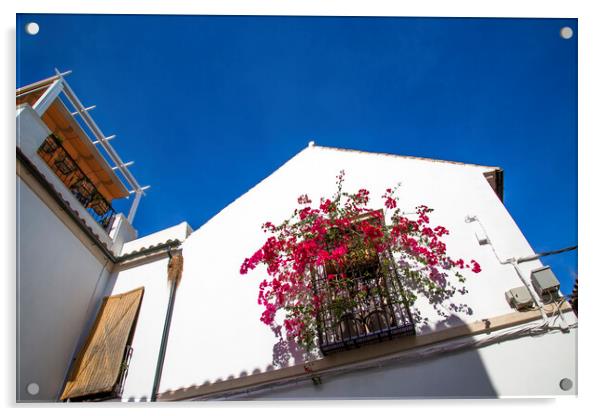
63,165
362,304
117,391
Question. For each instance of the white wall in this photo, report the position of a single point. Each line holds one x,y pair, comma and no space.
152,275
31,133
508,369
31,130
216,333
59,283
121,232
149,327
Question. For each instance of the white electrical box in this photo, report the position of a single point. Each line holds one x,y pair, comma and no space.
519,298
545,283
482,238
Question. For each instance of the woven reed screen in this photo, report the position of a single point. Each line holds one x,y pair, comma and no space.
175,267
98,364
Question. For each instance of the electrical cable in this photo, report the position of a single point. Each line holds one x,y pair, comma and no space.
514,262
536,329
545,253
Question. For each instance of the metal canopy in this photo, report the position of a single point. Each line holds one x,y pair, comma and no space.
57,85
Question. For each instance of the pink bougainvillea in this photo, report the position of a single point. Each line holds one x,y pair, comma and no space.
338,231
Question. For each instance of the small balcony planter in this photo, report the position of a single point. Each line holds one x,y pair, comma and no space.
71,175
65,165
346,274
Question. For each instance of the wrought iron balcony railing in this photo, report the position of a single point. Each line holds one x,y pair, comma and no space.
362,304
59,160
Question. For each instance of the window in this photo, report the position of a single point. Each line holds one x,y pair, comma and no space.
101,365
362,302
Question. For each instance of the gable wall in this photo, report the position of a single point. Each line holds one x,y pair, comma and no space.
216,333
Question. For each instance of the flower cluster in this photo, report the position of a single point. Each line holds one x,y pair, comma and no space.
342,229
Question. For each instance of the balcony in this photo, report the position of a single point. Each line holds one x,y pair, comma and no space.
80,185
363,303
55,126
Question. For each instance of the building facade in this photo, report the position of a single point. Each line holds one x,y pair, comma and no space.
183,323
71,243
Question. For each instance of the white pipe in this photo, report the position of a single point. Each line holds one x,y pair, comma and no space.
98,133
103,141
111,137
92,107
124,165
144,188
546,253
41,84
478,221
513,262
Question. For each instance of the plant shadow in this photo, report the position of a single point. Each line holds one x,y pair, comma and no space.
457,373
287,352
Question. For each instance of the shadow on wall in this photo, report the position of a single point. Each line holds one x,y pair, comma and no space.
416,285
286,350
456,374
52,384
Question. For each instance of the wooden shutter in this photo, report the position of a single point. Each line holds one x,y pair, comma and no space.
99,362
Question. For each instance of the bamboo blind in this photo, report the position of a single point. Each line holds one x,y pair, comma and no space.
99,362
175,267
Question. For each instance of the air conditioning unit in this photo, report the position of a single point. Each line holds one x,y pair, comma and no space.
545,283
519,298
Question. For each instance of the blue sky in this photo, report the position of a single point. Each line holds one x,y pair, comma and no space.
209,105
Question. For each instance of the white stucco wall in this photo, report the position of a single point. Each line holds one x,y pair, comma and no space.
151,274
31,130
60,284
31,133
149,327
516,368
121,232
216,333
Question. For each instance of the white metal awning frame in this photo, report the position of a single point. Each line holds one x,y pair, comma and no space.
57,85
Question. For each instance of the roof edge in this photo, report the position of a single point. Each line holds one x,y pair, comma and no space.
495,178
426,159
